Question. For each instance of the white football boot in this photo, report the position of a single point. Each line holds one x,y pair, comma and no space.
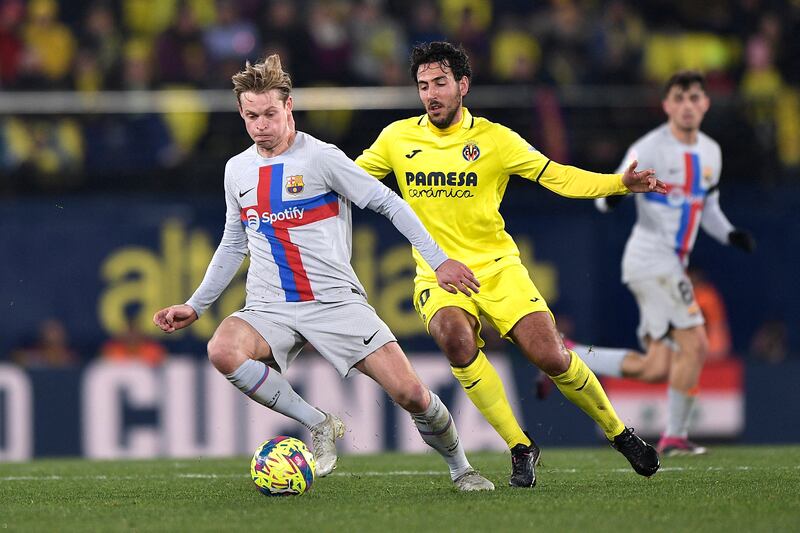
323,440
472,481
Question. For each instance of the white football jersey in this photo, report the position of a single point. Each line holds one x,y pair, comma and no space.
292,214
666,225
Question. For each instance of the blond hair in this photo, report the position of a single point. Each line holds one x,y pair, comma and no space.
263,77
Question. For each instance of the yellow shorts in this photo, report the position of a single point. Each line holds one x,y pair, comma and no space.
506,295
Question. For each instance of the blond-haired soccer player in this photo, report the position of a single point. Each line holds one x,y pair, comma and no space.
671,324
288,200
453,168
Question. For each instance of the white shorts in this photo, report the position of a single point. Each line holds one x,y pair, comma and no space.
343,332
665,302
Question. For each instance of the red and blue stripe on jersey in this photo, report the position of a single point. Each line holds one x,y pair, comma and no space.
691,207
292,273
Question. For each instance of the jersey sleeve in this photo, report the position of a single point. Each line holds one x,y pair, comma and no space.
519,157
375,159
574,182
347,178
227,258
352,182
408,223
713,221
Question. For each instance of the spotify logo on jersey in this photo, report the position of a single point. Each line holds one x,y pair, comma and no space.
252,219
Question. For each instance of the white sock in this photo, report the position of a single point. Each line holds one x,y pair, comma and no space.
679,413
438,430
268,387
602,361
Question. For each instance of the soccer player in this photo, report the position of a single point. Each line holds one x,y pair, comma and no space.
453,168
671,325
288,202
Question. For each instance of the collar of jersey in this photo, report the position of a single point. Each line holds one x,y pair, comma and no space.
692,146
466,121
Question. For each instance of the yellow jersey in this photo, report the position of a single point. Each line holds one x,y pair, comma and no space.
455,179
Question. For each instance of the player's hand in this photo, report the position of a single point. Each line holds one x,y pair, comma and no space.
643,180
743,240
454,276
174,317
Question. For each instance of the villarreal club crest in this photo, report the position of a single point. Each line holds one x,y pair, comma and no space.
471,152
294,184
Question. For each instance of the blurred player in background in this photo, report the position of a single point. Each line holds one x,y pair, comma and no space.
453,169
288,202
671,325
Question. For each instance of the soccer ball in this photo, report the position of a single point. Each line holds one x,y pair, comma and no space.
283,466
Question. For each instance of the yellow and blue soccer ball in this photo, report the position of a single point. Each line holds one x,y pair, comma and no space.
283,466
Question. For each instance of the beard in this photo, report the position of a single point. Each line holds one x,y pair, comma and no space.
446,120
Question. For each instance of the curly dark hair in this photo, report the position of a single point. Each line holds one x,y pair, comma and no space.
444,53
685,79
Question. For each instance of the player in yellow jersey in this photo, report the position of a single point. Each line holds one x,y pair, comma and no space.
453,168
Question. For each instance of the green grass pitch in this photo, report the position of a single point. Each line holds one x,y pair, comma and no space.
732,489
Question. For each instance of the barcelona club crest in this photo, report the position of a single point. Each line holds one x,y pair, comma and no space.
471,152
708,176
294,184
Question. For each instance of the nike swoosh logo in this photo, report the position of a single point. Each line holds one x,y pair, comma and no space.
534,300
413,153
584,383
473,384
241,194
369,340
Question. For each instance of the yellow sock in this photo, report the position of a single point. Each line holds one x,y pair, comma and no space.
581,387
483,386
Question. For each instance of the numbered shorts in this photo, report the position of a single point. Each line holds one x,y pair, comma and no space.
506,295
343,332
665,302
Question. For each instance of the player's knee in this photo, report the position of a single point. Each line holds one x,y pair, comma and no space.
223,355
696,347
413,397
458,343
701,349
699,353
658,373
553,360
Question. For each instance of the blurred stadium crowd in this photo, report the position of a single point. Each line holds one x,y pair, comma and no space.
750,50
594,68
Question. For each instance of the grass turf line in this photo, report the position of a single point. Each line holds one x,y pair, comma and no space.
746,488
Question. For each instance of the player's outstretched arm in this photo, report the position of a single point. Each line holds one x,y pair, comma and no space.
643,180
174,317
454,276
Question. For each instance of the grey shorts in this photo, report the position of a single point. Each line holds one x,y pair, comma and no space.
665,302
343,332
